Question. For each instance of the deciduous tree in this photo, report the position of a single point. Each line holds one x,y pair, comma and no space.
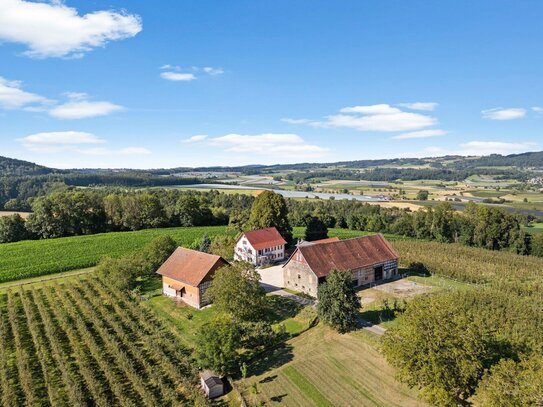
338,304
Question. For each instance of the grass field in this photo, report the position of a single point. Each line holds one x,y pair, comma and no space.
33,258
323,368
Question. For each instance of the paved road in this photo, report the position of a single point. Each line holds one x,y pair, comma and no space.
368,326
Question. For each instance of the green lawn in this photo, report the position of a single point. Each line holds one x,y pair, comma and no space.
323,368
32,258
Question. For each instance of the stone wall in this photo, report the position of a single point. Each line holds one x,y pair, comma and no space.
299,277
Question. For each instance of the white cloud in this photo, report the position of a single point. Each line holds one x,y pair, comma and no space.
420,134
371,109
195,139
212,71
269,144
494,147
53,29
58,141
177,76
295,121
74,142
500,113
13,97
376,118
83,109
426,106
537,109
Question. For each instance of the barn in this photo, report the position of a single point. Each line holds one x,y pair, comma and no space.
187,274
368,258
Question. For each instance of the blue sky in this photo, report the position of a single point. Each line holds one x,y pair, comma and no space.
197,83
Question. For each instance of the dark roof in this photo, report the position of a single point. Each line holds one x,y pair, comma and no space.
350,254
264,238
190,266
210,379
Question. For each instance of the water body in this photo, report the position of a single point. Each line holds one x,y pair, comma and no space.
293,194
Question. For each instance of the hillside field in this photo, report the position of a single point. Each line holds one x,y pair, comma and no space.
33,258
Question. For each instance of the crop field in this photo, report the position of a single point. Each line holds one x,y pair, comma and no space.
87,345
323,368
32,258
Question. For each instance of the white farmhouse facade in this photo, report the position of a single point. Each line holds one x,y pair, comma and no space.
260,247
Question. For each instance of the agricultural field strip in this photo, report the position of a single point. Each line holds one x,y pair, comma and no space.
35,258
75,338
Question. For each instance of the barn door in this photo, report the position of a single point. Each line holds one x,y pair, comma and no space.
378,273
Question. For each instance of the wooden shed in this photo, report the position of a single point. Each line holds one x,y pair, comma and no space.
212,384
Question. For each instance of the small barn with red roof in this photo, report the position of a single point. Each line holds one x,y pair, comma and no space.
368,258
187,274
259,247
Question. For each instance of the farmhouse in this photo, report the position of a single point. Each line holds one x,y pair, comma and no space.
260,247
187,274
368,258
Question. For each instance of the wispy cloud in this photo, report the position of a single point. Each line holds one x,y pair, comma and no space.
420,134
272,145
213,71
537,109
375,118
12,96
176,73
295,121
195,139
74,142
80,108
425,106
500,113
177,76
52,29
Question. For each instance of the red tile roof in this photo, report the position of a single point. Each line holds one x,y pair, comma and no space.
264,238
190,266
350,254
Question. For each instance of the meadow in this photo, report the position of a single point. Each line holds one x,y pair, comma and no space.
327,369
33,258
86,345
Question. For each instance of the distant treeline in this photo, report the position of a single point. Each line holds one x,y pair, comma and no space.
16,192
91,211
404,174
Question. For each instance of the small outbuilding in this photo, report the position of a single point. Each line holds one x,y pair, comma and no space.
212,384
187,274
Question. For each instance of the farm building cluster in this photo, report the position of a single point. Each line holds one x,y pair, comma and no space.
187,273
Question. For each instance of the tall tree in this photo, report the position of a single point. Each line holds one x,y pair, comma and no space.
338,304
12,229
217,344
270,210
236,291
316,229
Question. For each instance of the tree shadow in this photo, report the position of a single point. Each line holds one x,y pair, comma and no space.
270,359
377,316
279,398
280,308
